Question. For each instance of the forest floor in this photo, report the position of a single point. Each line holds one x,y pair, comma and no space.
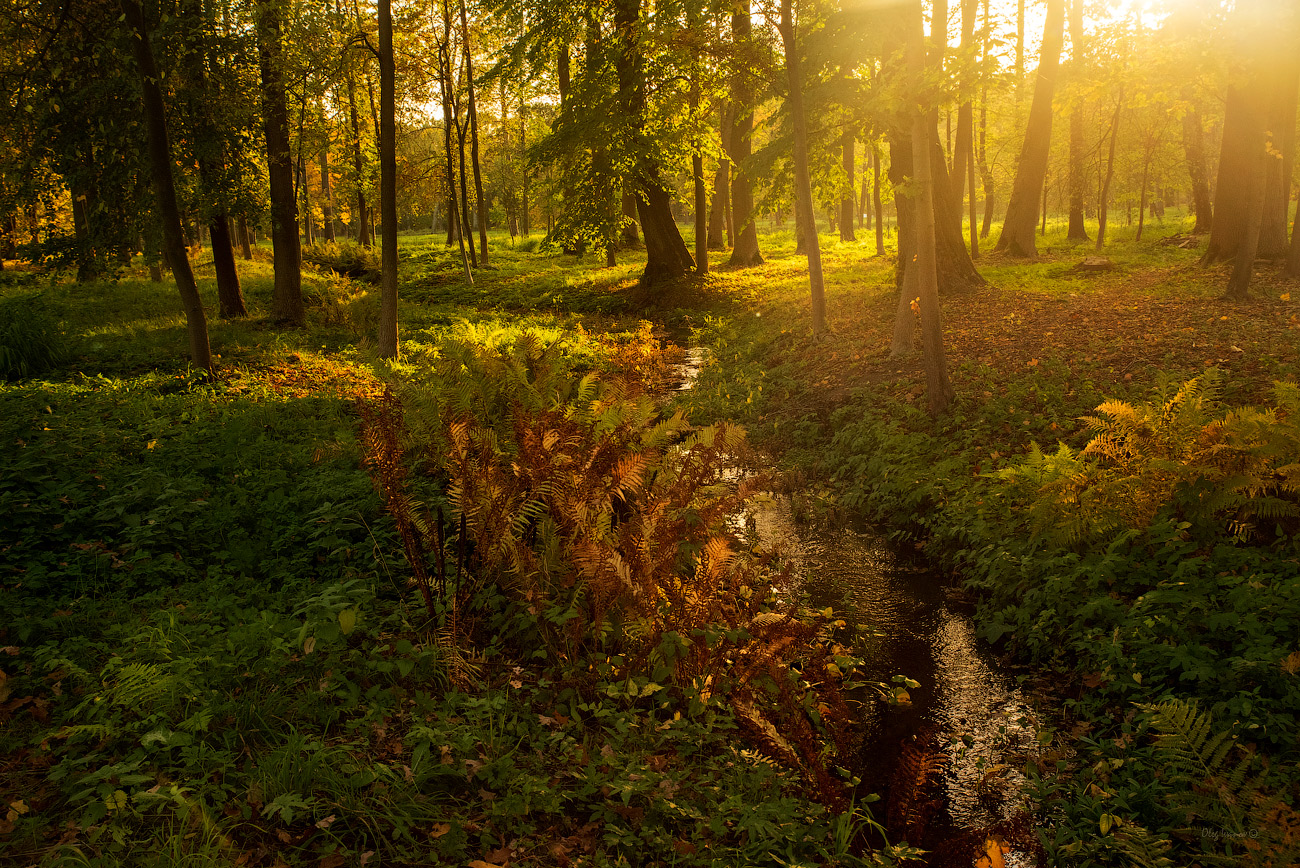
174,546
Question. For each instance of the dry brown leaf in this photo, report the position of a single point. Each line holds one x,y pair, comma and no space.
439,829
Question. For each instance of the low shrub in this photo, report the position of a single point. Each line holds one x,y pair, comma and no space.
347,258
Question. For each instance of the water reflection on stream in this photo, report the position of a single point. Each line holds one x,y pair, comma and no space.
919,628
975,712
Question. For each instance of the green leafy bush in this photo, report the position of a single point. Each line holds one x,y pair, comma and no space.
30,339
346,258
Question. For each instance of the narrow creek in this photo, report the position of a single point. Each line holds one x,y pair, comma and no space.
967,723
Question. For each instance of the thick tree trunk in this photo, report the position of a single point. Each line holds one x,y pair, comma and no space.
1244,267
473,134
847,144
802,174
939,390
230,298
160,167
1244,124
387,184
1017,237
286,303
667,257
744,251
1077,230
1273,236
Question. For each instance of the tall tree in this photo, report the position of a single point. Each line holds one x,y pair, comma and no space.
802,175
473,130
1077,231
847,146
744,251
164,184
387,184
939,391
1017,236
286,303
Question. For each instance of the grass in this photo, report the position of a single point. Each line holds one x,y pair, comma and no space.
212,657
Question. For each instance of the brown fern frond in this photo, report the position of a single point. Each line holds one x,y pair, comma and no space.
912,801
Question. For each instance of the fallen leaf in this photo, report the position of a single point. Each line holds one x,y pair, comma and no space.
439,829
333,860
479,863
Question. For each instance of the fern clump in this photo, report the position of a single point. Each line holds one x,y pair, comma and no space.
1216,468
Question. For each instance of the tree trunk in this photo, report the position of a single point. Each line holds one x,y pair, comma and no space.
1017,237
1142,199
453,217
847,144
362,217
1244,267
1020,51
160,166
802,175
327,193
473,133
939,390
631,237
1244,125
961,155
667,257
1273,235
1077,231
286,302
230,297
875,199
717,212
1103,201
387,184
245,242
1293,255
1194,147
744,239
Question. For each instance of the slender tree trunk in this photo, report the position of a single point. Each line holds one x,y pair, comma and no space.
1293,255
875,199
697,161
939,390
362,218
864,195
473,133
453,218
286,303
1194,147
717,214
387,184
230,298
802,175
631,237
986,173
245,242
525,222
308,233
961,154
1146,177
1020,51
1077,230
1103,201
160,165
744,250
974,223
847,144
1017,236
466,226
327,193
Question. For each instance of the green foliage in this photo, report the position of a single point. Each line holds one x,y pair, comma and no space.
1183,452
31,341
346,258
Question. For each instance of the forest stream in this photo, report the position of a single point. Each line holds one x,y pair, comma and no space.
966,723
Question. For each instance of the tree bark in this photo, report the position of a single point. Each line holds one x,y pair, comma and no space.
1077,230
245,242
1273,234
1293,255
1194,148
875,199
387,184
965,144
1017,237
160,167
847,144
717,212
230,298
667,257
473,133
327,193
453,217
362,218
939,392
1103,201
286,303
802,175
1244,125
744,251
